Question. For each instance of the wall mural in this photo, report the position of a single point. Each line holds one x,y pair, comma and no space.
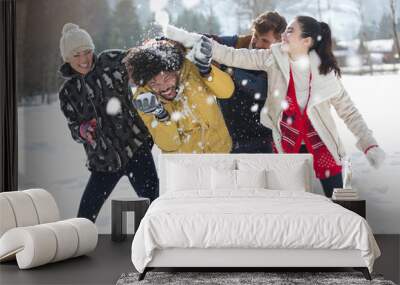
95,131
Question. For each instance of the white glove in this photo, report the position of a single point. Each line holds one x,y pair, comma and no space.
180,35
375,156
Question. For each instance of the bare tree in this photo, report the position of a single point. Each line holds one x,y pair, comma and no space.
247,10
394,25
363,36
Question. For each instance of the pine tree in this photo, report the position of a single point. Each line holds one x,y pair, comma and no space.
126,31
197,22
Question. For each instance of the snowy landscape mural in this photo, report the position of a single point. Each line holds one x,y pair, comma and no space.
49,158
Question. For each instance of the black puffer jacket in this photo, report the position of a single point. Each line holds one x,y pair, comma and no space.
84,98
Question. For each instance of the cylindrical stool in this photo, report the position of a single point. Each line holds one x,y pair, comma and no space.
119,207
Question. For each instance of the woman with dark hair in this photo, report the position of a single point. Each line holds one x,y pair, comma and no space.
304,83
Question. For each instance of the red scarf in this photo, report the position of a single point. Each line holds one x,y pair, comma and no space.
296,128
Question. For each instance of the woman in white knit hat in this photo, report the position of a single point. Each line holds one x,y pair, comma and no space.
94,99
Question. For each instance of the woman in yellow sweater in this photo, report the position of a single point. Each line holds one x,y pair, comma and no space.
176,98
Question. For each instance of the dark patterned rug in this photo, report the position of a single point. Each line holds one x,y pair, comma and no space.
243,278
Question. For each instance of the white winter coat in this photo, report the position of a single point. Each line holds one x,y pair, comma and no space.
326,91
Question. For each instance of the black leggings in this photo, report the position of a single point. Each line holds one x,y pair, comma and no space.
328,183
142,175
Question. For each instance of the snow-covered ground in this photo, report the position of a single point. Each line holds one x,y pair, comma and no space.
49,158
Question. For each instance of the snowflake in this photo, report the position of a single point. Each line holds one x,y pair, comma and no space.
327,173
157,5
189,4
319,38
154,124
176,116
289,121
254,108
113,106
284,104
210,78
162,18
244,82
276,93
257,95
210,100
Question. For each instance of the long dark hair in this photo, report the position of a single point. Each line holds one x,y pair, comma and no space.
322,43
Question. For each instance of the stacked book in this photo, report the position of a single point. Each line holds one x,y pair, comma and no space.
344,194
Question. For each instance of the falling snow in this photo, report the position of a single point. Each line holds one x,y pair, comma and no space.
257,96
113,106
284,104
154,124
189,4
254,108
162,18
327,173
210,100
244,82
176,116
158,5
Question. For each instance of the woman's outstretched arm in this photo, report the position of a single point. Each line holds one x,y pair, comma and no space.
255,59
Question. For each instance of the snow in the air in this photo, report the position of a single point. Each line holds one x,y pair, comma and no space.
254,108
162,18
157,5
210,100
113,106
189,4
284,104
176,116
154,123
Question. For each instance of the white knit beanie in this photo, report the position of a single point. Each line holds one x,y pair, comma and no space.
73,40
